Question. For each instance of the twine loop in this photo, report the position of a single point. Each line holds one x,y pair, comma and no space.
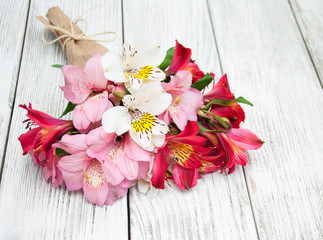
71,35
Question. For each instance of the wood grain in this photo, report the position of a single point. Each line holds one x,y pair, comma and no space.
218,208
262,50
309,16
12,27
30,208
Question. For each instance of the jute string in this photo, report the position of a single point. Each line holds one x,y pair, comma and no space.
71,35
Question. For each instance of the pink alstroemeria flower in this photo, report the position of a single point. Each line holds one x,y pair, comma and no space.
99,165
232,146
182,61
181,155
186,101
124,159
38,141
87,88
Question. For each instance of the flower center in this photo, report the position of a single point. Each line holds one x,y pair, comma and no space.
140,73
183,154
142,122
94,175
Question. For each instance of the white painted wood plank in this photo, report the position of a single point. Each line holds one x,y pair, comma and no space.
309,15
261,48
12,27
218,208
29,207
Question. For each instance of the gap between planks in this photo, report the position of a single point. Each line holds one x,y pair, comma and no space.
306,46
14,95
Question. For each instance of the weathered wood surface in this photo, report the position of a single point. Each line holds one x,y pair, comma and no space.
309,18
30,208
13,15
218,207
260,47
263,52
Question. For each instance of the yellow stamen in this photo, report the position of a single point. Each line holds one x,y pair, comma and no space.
143,73
146,122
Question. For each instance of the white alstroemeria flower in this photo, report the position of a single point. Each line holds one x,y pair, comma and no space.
138,64
138,116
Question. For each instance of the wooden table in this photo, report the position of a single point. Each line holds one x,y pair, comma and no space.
273,54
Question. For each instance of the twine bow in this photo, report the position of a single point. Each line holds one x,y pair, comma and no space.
71,35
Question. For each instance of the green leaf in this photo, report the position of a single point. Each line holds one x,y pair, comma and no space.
168,59
243,100
203,129
69,108
60,152
57,65
203,82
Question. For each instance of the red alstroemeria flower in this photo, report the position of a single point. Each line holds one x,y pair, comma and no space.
232,146
233,112
38,141
182,61
220,91
181,155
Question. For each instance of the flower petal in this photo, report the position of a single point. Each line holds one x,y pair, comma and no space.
245,139
159,170
185,178
182,56
116,119
113,67
95,185
127,167
95,106
76,89
134,151
80,120
72,143
95,74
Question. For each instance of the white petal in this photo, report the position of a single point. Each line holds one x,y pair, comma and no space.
149,52
116,119
135,137
152,98
157,75
158,140
160,128
113,66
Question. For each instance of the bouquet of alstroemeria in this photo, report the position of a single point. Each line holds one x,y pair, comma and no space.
140,116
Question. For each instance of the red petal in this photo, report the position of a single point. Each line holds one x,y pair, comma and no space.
185,178
195,71
42,119
181,58
245,139
221,90
159,170
27,140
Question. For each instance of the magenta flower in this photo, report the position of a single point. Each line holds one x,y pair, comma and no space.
186,101
50,170
220,91
87,88
38,141
181,156
231,147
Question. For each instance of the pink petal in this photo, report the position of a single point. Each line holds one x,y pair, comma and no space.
134,152
185,178
95,185
142,169
80,120
192,101
245,139
179,83
96,105
127,167
115,192
165,117
112,172
99,143
76,89
95,73
72,143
